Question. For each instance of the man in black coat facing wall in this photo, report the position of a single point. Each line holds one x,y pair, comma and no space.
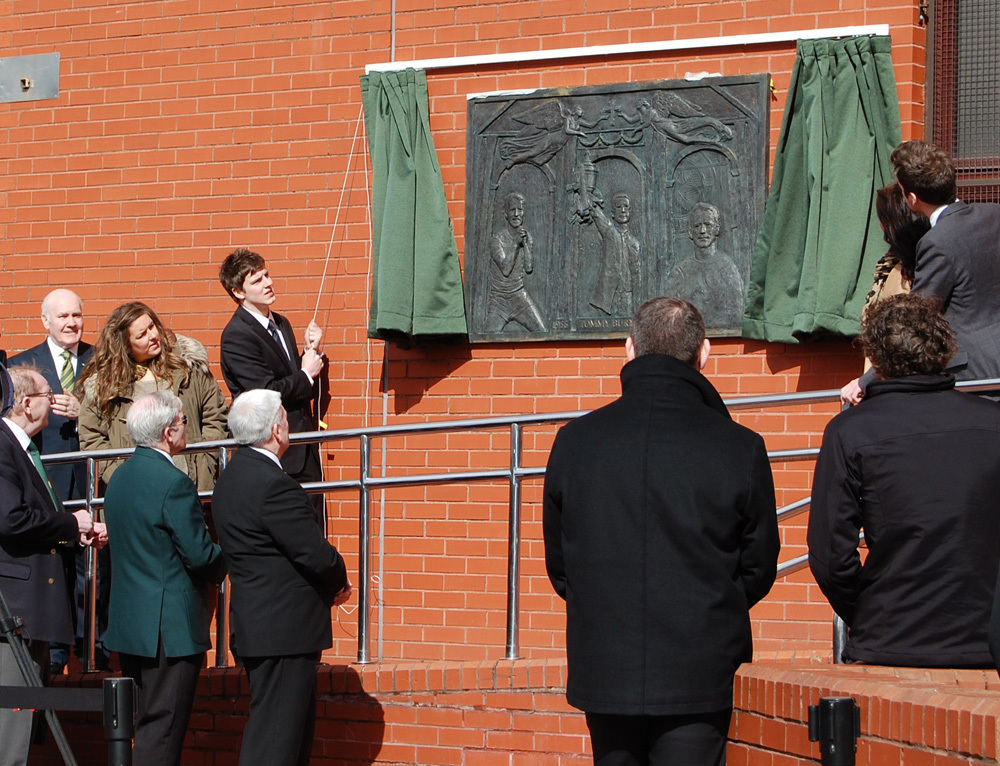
660,533
285,578
917,466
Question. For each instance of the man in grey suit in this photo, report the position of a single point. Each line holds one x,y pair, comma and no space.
958,260
60,358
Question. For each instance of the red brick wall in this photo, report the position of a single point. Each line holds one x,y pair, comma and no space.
514,713
186,128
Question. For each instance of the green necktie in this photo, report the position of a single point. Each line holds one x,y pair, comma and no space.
36,458
67,378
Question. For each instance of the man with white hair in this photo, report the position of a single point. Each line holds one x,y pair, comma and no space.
285,578
164,559
60,358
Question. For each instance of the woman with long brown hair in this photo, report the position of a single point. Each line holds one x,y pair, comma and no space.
136,355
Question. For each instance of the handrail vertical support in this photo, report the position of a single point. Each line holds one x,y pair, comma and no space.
514,545
222,603
90,580
364,546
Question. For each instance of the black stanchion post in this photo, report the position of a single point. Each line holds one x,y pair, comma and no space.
836,724
119,719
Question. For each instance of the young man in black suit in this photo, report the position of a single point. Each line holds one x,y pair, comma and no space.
285,578
259,351
60,358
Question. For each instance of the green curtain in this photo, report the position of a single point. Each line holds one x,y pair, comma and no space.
417,279
820,239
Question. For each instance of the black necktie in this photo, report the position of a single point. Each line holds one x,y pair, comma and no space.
272,328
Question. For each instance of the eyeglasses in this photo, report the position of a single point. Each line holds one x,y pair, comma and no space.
184,422
50,395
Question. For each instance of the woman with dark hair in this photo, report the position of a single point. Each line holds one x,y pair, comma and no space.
136,355
902,229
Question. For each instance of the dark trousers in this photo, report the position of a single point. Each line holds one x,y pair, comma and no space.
312,470
659,740
282,710
59,653
166,693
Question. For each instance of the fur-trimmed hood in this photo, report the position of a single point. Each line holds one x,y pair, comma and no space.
192,351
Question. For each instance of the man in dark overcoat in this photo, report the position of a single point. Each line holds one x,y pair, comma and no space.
285,579
164,560
38,540
916,465
660,533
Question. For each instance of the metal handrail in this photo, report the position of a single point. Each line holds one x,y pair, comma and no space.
514,474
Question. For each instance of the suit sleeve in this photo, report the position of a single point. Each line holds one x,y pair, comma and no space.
760,544
552,508
244,368
212,408
29,525
288,517
934,273
186,525
834,526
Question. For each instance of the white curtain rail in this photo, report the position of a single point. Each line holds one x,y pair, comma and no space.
526,57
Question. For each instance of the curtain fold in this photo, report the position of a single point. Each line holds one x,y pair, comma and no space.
417,279
820,239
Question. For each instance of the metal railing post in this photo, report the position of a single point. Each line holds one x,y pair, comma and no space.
514,545
222,603
364,545
90,580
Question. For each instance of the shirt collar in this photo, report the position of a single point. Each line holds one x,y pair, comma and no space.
937,214
19,433
261,320
57,351
164,453
269,454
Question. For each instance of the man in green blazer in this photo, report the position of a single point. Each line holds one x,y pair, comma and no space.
163,558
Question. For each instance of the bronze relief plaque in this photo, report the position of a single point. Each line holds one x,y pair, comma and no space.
581,203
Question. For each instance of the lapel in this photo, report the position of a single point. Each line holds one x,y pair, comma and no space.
43,361
265,336
28,470
41,357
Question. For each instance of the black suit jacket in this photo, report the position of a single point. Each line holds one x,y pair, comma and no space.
251,358
37,545
958,260
284,573
61,434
